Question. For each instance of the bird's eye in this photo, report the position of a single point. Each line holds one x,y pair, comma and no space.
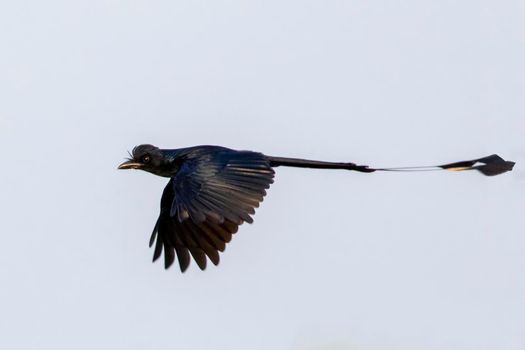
145,159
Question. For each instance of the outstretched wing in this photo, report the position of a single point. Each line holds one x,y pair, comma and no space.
213,193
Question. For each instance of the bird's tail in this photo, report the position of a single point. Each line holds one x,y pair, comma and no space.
489,166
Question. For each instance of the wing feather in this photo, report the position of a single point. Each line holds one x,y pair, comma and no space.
214,191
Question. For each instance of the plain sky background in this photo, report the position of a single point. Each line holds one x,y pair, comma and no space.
334,260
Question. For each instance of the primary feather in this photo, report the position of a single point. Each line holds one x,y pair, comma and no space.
213,191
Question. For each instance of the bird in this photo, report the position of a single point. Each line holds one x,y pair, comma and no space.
212,190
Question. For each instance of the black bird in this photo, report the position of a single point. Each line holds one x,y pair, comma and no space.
213,190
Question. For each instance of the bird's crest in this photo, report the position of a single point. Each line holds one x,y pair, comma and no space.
140,150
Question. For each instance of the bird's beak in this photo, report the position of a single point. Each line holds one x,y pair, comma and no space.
130,164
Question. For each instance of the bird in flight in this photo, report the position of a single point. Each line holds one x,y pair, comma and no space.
212,190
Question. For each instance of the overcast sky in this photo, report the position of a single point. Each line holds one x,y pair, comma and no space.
335,260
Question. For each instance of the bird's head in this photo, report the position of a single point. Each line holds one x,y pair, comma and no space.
148,158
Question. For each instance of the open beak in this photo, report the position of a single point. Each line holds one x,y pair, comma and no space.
130,164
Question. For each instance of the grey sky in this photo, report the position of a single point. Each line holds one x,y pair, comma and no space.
335,260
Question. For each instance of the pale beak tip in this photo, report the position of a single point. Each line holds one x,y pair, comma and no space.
129,165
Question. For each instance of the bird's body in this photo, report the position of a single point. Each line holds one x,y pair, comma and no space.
213,190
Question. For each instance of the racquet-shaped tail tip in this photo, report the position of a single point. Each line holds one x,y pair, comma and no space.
496,169
489,166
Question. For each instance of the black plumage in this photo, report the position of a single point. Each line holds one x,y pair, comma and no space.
213,190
